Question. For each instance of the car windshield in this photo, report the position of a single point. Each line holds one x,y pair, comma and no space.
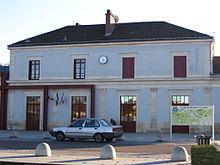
105,122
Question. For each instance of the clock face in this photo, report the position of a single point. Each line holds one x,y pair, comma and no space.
103,59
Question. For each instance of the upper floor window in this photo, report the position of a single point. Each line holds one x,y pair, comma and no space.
128,67
180,66
79,68
34,70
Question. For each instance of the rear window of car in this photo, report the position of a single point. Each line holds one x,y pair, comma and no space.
91,123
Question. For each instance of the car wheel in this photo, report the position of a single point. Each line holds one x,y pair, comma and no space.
98,138
109,139
60,136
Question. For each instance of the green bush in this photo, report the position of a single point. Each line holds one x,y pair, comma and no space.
205,155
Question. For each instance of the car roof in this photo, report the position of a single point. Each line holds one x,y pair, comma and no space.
89,118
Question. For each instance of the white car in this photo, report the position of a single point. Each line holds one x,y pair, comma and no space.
90,128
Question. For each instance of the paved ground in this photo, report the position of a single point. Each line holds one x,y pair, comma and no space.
152,154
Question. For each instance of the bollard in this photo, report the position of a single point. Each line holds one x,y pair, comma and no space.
108,152
179,153
43,149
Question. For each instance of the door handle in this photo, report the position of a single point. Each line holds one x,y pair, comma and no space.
80,128
95,128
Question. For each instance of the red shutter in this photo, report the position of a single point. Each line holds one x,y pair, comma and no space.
128,68
179,66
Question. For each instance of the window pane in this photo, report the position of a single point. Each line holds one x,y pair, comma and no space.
77,65
77,71
126,99
122,100
182,99
187,99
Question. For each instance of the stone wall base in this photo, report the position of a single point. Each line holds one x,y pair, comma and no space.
165,128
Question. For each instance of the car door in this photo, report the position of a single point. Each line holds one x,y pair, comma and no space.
74,130
91,126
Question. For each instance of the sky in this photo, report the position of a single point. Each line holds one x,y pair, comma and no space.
21,19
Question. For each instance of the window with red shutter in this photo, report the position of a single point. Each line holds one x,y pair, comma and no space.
128,67
180,67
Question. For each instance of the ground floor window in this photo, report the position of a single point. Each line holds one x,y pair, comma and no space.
33,112
79,104
128,113
180,100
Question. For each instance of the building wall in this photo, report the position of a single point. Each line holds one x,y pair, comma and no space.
149,117
151,60
17,108
153,84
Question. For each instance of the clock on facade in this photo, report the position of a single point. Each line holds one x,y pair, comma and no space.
103,60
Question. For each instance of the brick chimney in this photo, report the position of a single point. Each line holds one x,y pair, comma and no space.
110,23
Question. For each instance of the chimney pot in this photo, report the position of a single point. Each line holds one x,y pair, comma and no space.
109,11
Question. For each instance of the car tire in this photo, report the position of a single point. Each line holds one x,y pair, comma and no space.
60,136
109,139
98,138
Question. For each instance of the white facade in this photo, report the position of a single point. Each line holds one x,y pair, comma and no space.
153,84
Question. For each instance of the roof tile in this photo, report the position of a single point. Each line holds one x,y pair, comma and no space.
123,32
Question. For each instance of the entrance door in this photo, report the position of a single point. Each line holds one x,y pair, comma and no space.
128,113
78,107
33,113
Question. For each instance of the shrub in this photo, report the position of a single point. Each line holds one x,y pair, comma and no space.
205,155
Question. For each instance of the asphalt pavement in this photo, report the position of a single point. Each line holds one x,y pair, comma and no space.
27,156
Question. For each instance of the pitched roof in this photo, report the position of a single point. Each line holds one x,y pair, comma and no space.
123,32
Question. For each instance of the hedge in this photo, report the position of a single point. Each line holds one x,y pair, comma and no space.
205,155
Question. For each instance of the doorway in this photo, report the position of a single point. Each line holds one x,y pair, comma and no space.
128,113
33,113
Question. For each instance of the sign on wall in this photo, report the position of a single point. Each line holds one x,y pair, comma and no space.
192,115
